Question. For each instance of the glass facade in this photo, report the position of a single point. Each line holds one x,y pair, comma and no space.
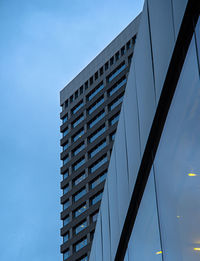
152,187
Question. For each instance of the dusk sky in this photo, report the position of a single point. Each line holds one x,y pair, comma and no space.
44,44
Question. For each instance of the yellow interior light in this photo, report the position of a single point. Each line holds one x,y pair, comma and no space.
192,174
159,252
196,248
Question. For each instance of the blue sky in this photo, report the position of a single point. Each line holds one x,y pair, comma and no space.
44,44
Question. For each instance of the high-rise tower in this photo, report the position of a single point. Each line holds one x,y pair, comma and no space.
91,105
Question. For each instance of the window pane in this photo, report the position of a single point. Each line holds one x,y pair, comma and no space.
66,221
79,149
97,119
80,210
97,181
80,227
78,164
66,254
79,179
97,90
96,105
66,146
66,205
115,73
78,135
66,189
77,108
117,87
116,103
114,120
97,134
65,132
65,237
80,194
97,149
66,174
98,164
81,244
79,120
97,198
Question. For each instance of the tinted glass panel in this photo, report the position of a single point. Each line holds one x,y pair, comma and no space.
65,132
97,198
113,75
80,210
80,194
97,119
79,149
78,164
97,90
116,87
78,135
97,134
79,120
80,227
97,181
98,164
77,108
96,105
116,103
97,149
66,221
81,244
79,179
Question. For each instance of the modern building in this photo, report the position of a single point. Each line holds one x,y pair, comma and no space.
150,208
91,105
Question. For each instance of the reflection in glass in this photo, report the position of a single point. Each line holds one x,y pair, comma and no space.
177,164
144,243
